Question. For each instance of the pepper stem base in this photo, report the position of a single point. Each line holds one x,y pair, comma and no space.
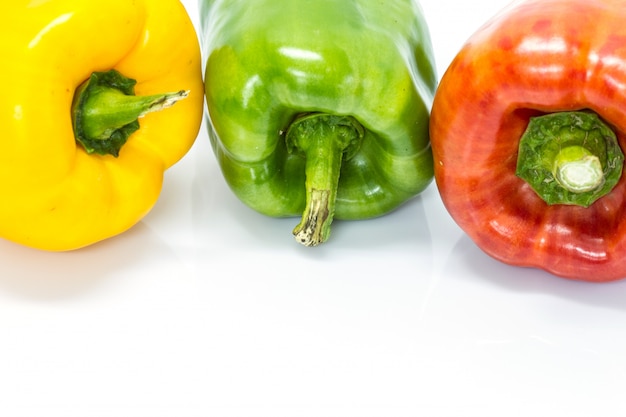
105,111
325,141
571,158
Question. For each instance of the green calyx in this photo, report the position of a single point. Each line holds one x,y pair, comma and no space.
570,158
105,111
325,141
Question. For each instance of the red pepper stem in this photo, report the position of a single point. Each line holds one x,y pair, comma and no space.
106,110
578,170
570,158
325,141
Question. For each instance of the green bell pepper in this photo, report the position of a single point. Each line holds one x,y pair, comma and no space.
319,108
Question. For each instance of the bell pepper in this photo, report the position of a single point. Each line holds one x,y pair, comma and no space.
319,108
527,129
86,136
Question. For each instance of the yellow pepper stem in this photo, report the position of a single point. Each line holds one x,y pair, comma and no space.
105,111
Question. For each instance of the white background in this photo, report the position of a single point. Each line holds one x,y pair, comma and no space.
207,308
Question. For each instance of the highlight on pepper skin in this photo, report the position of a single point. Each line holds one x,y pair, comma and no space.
527,130
305,124
99,106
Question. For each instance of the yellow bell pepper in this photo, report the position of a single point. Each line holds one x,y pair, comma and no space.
56,194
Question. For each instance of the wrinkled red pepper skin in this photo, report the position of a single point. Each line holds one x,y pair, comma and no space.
535,57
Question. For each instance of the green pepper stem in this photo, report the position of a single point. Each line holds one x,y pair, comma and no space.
106,111
570,158
325,141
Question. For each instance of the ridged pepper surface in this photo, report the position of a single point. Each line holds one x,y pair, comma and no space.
527,129
83,146
319,108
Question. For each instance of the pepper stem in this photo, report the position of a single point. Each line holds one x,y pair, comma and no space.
105,111
570,158
325,141
578,170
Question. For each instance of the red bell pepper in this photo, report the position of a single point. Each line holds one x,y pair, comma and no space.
527,131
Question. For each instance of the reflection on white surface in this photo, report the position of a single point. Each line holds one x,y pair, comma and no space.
40,275
209,309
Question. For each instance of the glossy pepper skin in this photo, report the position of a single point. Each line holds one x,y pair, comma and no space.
535,58
365,68
57,196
